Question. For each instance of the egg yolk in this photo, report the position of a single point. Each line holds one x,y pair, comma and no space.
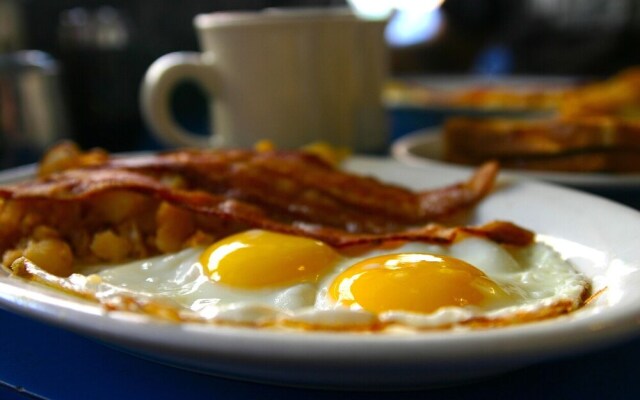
420,283
258,258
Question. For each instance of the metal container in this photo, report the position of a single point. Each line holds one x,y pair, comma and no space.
33,115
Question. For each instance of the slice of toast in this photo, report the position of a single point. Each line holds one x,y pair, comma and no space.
617,96
589,144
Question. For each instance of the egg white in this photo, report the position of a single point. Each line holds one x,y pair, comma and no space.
180,279
537,273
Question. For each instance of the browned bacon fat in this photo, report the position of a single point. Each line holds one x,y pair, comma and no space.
290,187
162,202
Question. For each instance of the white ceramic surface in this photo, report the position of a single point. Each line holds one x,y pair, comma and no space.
302,76
425,148
598,236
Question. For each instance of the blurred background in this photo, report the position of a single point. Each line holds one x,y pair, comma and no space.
95,53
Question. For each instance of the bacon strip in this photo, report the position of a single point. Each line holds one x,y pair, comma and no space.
290,186
289,192
301,184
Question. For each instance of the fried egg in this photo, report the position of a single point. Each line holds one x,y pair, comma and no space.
265,278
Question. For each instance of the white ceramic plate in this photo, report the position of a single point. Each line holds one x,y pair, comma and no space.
425,147
598,236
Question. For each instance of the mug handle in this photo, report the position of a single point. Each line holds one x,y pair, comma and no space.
158,83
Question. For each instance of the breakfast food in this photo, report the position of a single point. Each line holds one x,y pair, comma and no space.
267,279
274,239
112,209
488,97
504,99
595,129
587,144
618,96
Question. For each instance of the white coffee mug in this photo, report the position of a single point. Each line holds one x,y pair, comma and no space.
290,76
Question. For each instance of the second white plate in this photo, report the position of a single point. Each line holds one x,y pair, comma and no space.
425,147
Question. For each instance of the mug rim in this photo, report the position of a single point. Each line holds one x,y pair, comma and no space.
294,15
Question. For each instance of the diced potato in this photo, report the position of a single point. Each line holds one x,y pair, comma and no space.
52,255
199,239
31,220
175,226
45,232
331,154
68,155
10,256
59,158
115,207
108,246
136,238
11,215
264,146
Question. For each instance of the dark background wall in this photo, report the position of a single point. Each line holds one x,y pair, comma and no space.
104,47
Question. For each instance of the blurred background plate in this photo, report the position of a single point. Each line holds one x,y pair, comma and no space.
425,148
428,101
435,90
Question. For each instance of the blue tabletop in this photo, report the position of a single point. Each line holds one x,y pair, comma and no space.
41,361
